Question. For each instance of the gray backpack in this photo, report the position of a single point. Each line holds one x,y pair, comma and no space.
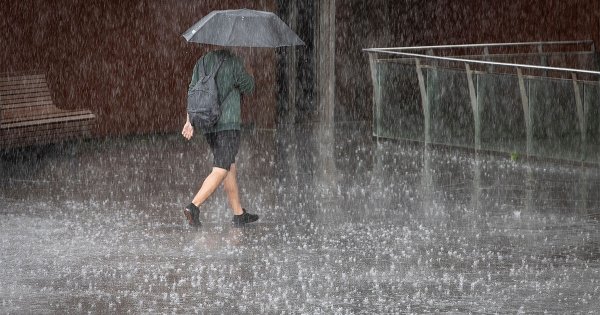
203,105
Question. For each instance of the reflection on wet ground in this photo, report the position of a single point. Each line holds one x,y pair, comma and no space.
348,224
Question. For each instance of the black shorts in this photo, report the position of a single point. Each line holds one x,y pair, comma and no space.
224,146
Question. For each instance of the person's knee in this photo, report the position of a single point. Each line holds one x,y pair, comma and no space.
229,183
232,168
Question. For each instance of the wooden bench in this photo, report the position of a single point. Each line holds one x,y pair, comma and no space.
28,115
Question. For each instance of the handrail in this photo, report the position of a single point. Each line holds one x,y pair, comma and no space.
493,63
575,42
473,93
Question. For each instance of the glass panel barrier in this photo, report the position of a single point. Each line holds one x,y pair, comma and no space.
555,123
555,105
502,117
591,101
399,114
452,119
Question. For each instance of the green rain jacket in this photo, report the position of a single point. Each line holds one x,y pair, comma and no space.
232,81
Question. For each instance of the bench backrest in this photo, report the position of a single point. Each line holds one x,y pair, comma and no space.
23,91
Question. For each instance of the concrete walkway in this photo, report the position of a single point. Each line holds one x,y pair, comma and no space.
348,225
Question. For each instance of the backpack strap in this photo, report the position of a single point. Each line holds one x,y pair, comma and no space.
215,69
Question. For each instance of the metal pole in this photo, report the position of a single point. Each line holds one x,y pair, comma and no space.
376,95
486,53
474,107
580,115
543,59
424,102
526,109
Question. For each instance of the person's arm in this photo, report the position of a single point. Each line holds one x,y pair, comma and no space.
194,75
188,129
243,81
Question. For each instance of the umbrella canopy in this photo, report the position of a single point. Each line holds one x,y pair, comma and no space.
246,28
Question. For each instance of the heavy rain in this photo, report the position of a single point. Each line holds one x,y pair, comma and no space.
384,183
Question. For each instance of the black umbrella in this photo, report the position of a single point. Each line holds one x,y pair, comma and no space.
246,28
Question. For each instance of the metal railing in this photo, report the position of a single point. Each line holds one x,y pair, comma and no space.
510,97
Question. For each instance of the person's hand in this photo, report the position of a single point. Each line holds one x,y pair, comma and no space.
188,130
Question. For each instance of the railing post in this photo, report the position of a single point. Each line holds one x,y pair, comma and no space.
486,52
543,59
376,96
526,111
474,106
581,114
424,102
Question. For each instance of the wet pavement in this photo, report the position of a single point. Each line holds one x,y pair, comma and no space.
348,225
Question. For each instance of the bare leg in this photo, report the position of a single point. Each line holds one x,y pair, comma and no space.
231,188
210,184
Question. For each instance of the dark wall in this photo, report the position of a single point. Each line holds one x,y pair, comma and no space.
379,23
127,62
124,60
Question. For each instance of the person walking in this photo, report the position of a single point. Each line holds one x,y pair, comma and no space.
224,138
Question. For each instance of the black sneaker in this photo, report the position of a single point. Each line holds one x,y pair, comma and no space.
244,218
192,214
